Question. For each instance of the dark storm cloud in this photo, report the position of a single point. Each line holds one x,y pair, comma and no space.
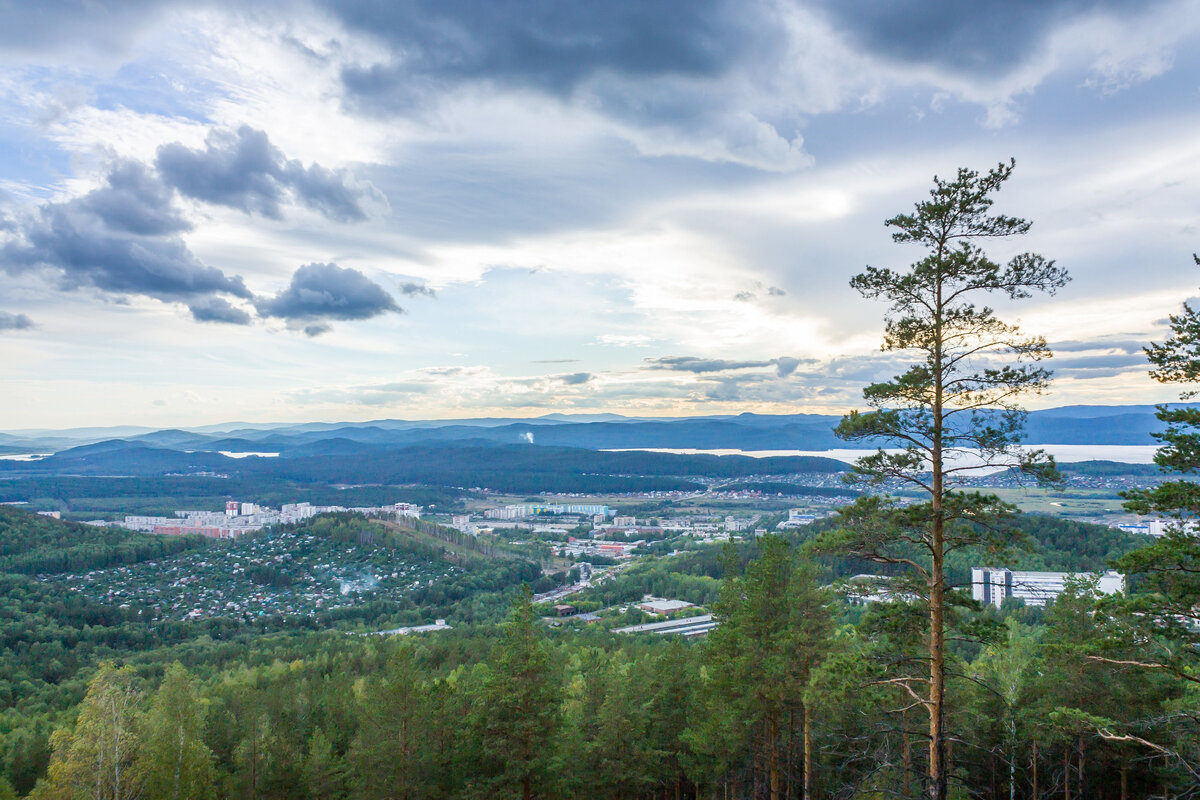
979,38
322,292
14,322
544,44
217,309
121,238
243,170
784,365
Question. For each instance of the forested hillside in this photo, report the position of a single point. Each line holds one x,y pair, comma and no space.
55,630
31,544
791,696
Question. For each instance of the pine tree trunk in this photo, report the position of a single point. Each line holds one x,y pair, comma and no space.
937,742
789,760
773,756
1067,772
1124,781
937,580
906,753
1082,772
808,754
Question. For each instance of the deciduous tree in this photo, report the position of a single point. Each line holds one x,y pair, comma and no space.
174,762
95,759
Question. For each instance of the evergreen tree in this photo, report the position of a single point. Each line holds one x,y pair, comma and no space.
774,630
520,715
957,403
323,770
672,676
1169,568
1162,617
390,753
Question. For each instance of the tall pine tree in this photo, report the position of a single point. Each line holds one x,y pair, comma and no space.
956,406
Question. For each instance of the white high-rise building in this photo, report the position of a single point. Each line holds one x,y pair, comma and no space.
990,585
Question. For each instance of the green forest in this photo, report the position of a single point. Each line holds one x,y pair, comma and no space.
794,695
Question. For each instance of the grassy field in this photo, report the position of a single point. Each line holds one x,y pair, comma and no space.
1071,503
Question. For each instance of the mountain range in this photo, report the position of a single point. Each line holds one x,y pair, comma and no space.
1093,425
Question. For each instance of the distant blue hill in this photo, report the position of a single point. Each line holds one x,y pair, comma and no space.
1086,425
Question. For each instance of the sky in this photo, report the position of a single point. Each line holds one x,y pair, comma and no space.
353,210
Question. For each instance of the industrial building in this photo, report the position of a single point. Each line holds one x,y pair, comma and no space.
689,626
658,605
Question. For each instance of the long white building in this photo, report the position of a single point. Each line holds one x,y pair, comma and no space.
520,512
992,585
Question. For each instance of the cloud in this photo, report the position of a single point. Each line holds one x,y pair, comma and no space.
243,170
410,289
105,28
698,79
977,38
217,309
576,378
552,47
1078,345
316,328
135,201
1098,366
700,365
623,340
321,292
784,365
744,296
120,238
14,322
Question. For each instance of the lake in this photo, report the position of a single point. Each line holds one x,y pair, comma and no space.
1063,453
